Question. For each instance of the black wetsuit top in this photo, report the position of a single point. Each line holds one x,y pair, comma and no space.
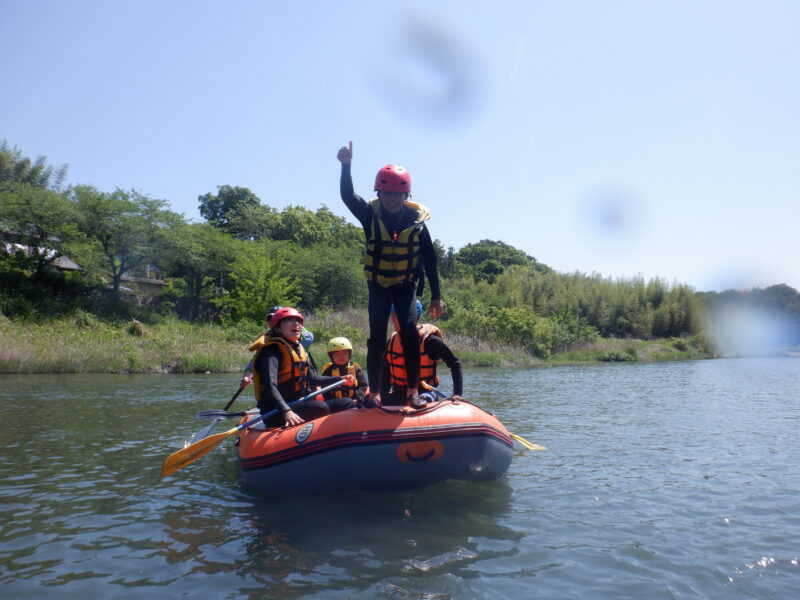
398,221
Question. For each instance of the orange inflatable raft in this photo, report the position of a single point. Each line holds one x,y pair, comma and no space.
389,448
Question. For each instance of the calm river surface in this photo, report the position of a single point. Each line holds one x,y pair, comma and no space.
676,480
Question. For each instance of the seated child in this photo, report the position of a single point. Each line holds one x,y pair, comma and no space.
340,352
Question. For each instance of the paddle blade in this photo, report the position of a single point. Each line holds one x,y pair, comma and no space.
526,443
181,458
202,434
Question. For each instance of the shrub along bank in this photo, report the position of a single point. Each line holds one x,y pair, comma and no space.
82,343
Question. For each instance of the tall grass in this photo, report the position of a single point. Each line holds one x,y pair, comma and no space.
83,343
93,346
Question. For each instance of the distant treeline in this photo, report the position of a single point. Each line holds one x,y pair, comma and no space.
248,256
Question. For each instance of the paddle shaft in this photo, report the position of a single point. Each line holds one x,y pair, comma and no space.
274,411
207,430
519,438
235,396
189,454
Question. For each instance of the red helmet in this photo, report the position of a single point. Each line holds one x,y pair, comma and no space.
282,314
393,178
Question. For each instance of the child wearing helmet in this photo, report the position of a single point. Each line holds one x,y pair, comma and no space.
398,248
282,374
432,349
340,352
306,339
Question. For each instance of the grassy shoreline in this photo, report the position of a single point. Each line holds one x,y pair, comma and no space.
85,344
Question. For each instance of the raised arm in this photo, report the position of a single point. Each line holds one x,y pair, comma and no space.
354,203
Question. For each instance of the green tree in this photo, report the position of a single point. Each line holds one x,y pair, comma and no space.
328,276
339,232
219,208
300,225
14,167
41,220
254,222
445,259
259,279
202,257
127,228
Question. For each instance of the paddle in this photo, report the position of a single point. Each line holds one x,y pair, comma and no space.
181,458
216,413
206,431
525,443
236,395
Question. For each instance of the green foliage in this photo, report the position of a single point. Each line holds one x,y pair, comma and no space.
307,228
250,256
517,326
329,277
42,220
14,167
136,328
218,209
488,259
30,296
629,354
259,279
252,222
506,255
202,257
127,228
569,329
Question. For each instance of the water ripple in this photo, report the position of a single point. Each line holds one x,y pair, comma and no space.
661,481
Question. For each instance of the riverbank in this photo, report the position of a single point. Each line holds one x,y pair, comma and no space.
85,344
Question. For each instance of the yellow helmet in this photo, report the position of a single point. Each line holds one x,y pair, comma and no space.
339,343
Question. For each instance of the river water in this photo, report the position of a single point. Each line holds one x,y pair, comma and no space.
667,480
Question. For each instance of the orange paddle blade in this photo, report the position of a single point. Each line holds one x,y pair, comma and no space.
184,456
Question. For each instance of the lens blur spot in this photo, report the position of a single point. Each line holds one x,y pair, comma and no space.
742,330
612,213
424,73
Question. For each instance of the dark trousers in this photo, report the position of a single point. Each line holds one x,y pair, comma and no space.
312,409
337,404
403,296
307,410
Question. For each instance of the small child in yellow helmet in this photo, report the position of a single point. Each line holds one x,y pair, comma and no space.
340,352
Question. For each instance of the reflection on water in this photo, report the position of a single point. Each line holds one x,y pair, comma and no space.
661,481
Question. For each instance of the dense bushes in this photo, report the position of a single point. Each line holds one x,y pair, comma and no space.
249,256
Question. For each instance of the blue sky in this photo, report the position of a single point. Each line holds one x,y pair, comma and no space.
626,138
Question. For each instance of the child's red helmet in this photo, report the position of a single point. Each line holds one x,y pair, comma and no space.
393,178
282,314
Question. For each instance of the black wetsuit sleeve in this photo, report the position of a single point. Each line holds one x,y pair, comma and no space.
429,261
438,350
267,365
323,380
361,382
355,204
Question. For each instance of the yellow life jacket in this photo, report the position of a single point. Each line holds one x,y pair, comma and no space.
393,257
396,360
293,371
343,391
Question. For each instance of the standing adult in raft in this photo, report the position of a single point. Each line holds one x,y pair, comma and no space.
398,244
281,374
433,348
